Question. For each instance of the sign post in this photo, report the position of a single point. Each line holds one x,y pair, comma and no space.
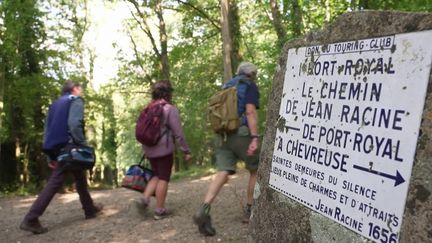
349,121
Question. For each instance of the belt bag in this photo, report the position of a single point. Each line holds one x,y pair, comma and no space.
76,157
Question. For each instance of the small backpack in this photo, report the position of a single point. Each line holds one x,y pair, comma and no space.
148,128
222,111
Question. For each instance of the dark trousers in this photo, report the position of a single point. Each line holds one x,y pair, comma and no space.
55,182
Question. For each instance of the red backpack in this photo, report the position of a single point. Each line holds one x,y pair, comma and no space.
148,128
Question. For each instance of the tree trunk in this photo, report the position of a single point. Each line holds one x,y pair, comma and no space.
363,4
25,166
19,159
235,34
165,69
327,10
226,40
297,20
2,87
107,175
277,23
161,54
8,164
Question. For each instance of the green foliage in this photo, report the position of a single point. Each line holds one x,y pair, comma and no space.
21,56
10,190
23,59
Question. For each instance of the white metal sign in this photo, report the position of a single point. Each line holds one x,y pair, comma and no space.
348,128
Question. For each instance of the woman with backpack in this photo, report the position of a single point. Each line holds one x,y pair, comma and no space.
160,151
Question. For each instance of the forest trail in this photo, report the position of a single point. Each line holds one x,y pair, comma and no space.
121,222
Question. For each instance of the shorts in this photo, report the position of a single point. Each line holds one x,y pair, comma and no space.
233,149
162,166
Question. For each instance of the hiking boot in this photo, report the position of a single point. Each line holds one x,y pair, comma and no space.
246,214
161,213
203,221
142,205
96,211
35,227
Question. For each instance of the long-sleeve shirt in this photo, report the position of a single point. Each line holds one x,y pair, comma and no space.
174,130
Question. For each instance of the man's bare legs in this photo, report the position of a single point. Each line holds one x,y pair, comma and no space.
251,186
250,191
217,183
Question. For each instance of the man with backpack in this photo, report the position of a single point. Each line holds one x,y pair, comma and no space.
64,124
238,142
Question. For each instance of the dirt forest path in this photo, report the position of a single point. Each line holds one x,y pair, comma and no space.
120,221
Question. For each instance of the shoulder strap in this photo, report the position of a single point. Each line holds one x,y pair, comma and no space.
243,79
236,81
168,129
143,161
161,102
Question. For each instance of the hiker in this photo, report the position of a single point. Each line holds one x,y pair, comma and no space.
161,155
64,124
240,145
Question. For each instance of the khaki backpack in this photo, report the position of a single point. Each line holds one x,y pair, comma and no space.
222,111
